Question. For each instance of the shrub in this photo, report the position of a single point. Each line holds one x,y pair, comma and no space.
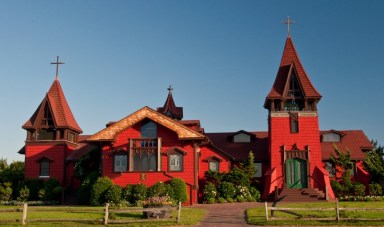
139,194
156,190
126,193
243,191
255,193
210,191
83,194
179,190
230,200
99,189
34,186
240,199
113,195
358,189
375,189
5,193
221,200
250,199
23,194
226,190
211,200
52,190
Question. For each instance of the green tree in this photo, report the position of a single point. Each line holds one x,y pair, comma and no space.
374,163
88,164
13,174
344,165
248,166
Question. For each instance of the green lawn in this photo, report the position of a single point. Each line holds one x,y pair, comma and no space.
189,216
256,216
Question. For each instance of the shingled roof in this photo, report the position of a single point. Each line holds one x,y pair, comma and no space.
353,140
109,133
170,109
59,107
291,61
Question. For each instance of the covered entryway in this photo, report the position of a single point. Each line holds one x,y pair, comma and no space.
296,173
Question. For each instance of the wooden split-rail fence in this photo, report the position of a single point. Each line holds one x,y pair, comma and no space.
337,210
106,211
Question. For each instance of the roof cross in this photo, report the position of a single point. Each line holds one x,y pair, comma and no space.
57,63
170,89
288,22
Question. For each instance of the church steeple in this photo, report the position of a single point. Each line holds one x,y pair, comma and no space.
53,119
292,90
170,109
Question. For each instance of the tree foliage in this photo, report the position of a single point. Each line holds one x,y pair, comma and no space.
88,164
248,166
345,187
374,163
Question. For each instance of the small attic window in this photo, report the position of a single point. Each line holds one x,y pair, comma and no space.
331,137
241,138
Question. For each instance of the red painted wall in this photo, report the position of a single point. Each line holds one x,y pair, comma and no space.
54,152
169,141
280,135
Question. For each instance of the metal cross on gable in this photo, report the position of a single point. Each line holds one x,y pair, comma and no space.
288,22
57,63
170,89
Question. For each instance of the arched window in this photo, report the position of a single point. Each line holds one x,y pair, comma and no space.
149,130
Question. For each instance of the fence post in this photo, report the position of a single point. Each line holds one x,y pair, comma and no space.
337,210
266,211
106,214
179,212
24,218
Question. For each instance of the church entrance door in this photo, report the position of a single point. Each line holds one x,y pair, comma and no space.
296,173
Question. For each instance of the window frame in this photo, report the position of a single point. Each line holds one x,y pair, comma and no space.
44,172
180,153
114,163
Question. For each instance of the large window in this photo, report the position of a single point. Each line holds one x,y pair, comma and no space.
44,167
144,151
149,130
120,163
144,161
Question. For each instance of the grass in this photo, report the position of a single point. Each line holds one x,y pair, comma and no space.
256,216
189,216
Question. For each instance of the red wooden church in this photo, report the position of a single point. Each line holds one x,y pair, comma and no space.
150,145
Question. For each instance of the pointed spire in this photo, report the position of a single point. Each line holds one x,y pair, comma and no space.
170,109
58,106
290,62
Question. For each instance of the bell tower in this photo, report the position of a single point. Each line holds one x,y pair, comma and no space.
52,134
294,139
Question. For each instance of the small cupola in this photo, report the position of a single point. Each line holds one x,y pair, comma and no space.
170,109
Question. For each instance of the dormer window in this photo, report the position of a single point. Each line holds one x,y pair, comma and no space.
331,137
241,138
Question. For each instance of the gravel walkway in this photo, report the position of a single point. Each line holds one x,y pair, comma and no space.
228,214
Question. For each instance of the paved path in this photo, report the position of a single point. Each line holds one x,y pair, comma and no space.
228,214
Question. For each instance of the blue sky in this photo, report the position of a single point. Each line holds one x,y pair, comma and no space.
221,57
